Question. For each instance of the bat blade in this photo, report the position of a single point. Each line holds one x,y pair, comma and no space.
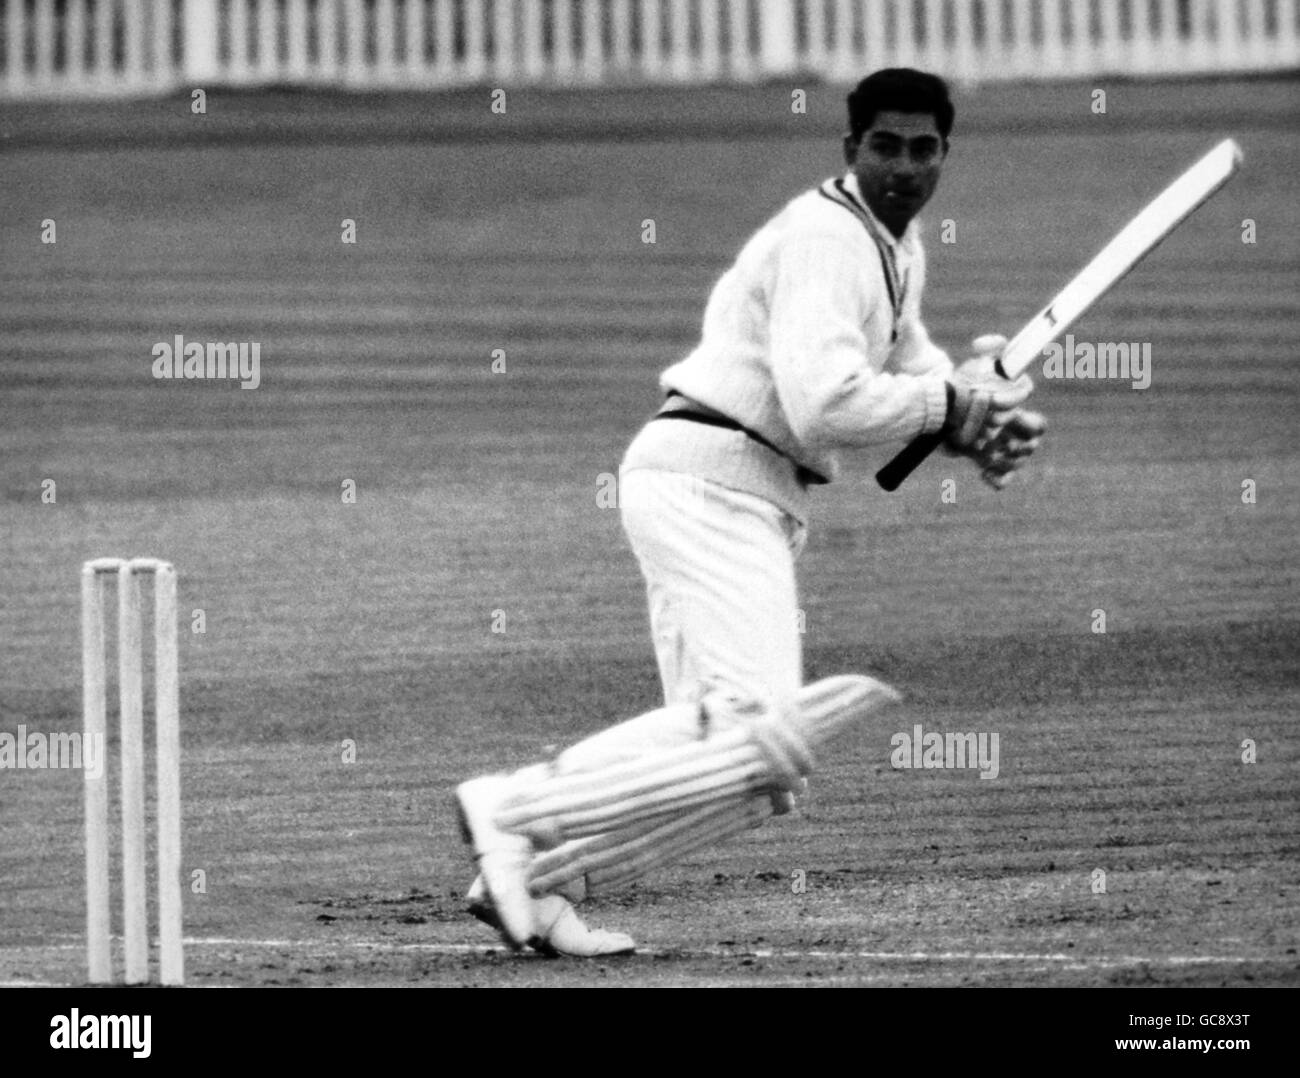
1134,242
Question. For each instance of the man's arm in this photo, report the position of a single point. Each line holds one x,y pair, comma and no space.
915,353
999,441
833,392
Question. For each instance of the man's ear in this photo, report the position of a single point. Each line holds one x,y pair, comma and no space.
851,143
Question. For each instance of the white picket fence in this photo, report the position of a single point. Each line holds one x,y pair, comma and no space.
93,48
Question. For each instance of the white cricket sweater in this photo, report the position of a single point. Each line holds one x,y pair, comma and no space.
812,339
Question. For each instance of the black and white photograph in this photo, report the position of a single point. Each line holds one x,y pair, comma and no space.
650,494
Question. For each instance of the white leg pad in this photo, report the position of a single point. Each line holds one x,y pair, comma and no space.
604,862
728,765
832,705
719,768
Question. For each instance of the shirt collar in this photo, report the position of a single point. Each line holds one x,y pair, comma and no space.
896,244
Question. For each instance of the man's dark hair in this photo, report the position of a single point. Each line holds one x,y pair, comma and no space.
900,89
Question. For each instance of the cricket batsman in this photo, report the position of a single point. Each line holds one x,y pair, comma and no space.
812,343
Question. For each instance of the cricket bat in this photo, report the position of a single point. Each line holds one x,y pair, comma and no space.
1136,240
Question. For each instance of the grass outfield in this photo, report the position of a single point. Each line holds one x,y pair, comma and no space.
477,493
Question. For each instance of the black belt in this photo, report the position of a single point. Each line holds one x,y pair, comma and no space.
716,419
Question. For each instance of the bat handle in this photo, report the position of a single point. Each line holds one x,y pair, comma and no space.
892,474
909,458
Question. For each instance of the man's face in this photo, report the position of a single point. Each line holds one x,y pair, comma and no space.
897,162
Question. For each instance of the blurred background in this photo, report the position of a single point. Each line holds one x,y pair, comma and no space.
88,48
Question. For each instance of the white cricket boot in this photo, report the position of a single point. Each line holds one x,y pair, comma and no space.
503,858
561,933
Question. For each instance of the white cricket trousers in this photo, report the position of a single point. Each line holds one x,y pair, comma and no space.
719,572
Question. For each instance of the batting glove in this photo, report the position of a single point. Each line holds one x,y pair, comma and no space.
981,401
1012,447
